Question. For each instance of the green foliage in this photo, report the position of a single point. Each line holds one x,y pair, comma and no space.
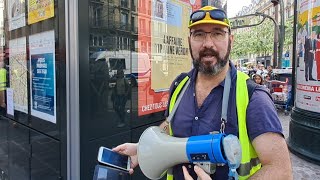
254,40
288,41
259,39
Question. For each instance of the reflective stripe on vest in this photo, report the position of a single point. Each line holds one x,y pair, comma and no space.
3,79
175,96
249,161
172,102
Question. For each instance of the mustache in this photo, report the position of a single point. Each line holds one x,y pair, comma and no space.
208,52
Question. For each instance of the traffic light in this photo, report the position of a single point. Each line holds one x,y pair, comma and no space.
275,2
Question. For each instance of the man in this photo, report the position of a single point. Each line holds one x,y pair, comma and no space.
3,85
261,71
309,55
199,111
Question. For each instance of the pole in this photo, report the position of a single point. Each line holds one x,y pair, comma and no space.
282,33
276,39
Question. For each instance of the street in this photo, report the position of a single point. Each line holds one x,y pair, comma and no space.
302,170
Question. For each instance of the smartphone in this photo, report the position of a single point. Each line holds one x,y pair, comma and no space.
105,173
107,157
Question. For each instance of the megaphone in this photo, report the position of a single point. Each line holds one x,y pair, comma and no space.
158,151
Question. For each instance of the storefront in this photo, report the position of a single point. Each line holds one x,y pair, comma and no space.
62,61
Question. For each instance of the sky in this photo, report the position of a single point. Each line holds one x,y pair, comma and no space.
234,6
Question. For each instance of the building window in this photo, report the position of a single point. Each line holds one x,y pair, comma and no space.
124,21
96,16
124,3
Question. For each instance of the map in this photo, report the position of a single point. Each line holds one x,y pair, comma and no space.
18,73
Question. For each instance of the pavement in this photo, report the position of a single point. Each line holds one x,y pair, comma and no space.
302,170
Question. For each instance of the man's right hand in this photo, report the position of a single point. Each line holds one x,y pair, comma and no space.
129,149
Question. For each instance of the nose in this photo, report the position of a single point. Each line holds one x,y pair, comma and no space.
208,42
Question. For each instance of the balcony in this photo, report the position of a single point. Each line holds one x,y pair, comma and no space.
124,26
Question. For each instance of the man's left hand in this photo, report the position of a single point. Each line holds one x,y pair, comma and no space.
202,175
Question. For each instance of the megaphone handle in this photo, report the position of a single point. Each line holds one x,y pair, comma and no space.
198,178
208,167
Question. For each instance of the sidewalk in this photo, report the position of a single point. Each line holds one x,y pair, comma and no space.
302,170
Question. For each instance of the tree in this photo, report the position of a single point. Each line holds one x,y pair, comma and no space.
254,40
288,41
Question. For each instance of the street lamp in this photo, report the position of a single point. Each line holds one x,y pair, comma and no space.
282,33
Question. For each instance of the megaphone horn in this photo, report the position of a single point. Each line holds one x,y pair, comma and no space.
158,151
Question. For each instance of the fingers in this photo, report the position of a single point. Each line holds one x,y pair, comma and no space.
131,171
186,173
201,173
120,148
134,161
129,149
126,149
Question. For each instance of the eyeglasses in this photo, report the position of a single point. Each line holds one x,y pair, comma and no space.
200,36
215,14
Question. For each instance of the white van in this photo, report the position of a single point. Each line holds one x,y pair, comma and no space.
136,66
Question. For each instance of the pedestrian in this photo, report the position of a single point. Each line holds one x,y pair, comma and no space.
199,111
120,95
258,79
3,87
267,82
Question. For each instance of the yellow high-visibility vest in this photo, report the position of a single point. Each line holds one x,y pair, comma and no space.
3,79
250,163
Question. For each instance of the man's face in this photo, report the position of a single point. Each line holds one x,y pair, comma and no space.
210,56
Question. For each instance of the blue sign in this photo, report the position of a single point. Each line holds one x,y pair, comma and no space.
42,89
285,63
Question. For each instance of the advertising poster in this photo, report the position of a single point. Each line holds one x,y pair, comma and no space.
16,14
42,76
39,10
167,48
18,73
308,56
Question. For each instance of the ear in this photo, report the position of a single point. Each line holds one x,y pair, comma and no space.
231,37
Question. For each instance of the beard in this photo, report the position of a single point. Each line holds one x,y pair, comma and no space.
206,67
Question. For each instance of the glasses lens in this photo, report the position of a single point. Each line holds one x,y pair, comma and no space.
198,15
218,15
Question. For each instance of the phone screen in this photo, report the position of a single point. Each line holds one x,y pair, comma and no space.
114,158
105,173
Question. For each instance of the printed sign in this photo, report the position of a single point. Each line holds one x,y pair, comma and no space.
308,56
10,106
18,73
16,14
42,76
39,10
167,49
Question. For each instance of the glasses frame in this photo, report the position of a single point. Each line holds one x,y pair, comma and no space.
213,38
